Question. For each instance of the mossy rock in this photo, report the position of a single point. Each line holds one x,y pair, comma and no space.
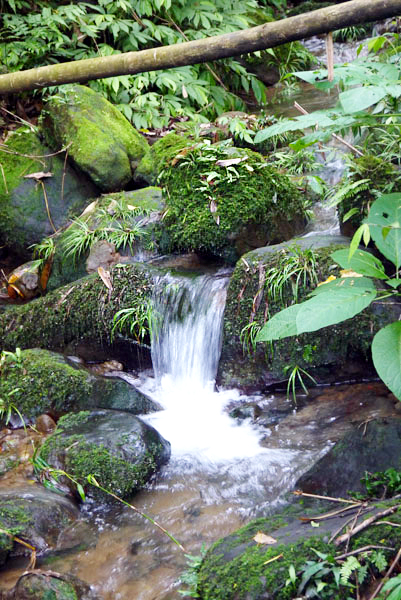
43,382
81,311
103,144
239,568
318,352
45,585
149,200
120,450
375,447
23,215
34,514
221,212
158,156
377,174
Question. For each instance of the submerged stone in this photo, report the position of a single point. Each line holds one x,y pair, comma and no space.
103,143
35,515
119,449
48,585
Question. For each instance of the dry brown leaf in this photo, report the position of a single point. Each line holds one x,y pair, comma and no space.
105,277
349,273
230,161
184,92
262,538
213,206
38,175
90,208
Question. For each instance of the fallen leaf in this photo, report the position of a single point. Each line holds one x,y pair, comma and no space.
90,208
213,206
230,161
38,175
105,277
184,92
349,273
330,278
262,538
314,524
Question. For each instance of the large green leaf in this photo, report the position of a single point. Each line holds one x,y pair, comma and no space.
386,353
384,222
360,98
361,262
329,308
281,325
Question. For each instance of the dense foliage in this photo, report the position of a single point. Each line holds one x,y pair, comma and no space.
40,33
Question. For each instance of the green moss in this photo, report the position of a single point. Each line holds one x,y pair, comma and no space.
73,419
158,156
84,458
248,576
259,198
82,116
82,310
43,383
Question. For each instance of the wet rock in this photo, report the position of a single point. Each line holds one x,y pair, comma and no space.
121,450
34,514
102,254
253,562
249,304
83,116
48,585
374,446
46,383
24,219
45,424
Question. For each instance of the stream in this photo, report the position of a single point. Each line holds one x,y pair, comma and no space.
220,475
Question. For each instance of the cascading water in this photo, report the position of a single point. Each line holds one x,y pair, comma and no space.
185,353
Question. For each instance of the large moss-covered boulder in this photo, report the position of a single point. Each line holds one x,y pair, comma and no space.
120,450
103,144
41,381
35,515
224,201
29,206
253,562
159,155
48,585
259,288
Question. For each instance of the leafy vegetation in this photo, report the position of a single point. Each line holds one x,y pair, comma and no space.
343,298
50,32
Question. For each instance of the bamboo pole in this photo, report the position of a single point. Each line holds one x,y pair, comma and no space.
261,37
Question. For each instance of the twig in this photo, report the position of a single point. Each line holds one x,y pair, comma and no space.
64,172
338,531
365,524
355,519
7,151
4,178
301,493
333,513
32,561
330,56
31,127
334,135
47,205
387,575
388,523
364,549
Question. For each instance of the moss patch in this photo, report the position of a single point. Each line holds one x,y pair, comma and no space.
83,310
158,155
220,207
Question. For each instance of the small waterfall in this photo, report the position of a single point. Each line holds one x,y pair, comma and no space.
186,344
186,340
